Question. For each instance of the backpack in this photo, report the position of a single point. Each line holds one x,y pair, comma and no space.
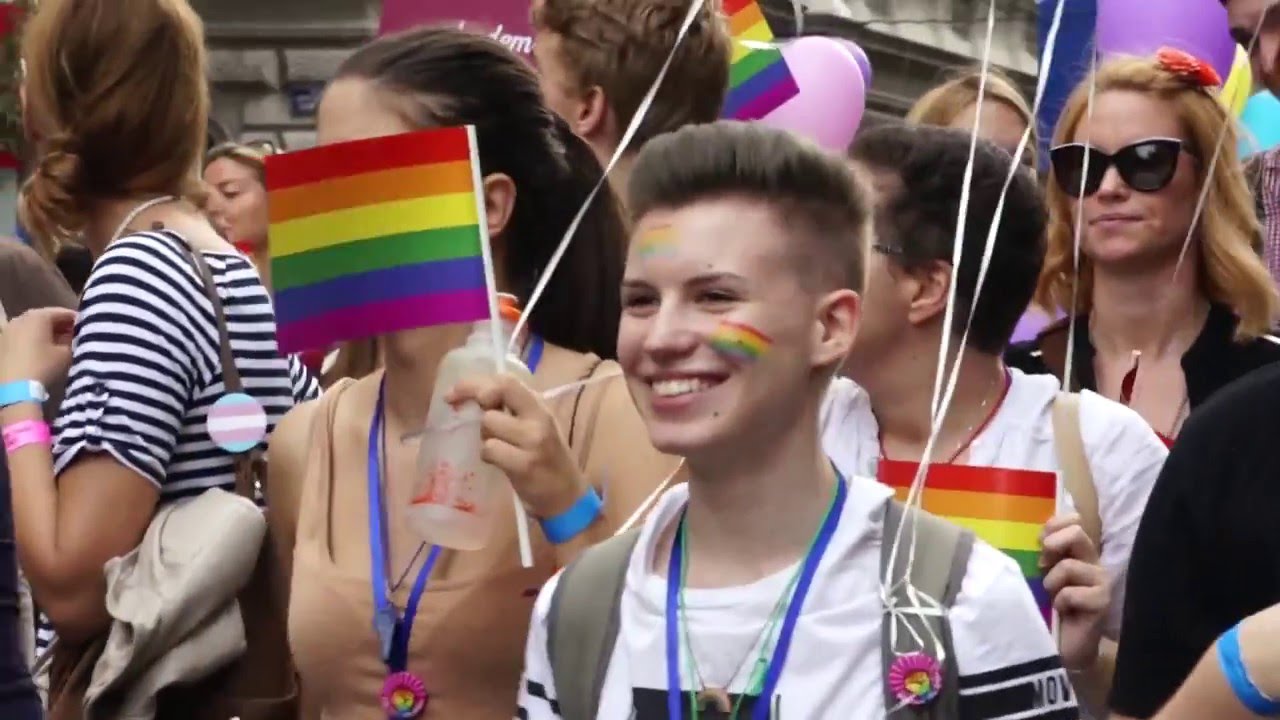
589,596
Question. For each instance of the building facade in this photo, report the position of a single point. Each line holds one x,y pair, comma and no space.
270,58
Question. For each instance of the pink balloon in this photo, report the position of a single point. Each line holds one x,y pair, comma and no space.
833,93
859,55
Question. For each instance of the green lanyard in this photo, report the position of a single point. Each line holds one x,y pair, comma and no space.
755,681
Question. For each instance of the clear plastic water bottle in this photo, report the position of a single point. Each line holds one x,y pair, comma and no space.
457,495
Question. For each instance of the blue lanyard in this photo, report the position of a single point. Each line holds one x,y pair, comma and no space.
760,711
533,355
393,629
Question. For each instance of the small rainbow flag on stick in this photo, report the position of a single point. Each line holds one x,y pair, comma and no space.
739,341
377,236
1006,508
759,79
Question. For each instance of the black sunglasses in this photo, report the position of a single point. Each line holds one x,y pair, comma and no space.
1146,166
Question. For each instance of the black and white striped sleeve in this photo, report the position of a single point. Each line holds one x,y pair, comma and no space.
1008,663
537,686
133,371
304,384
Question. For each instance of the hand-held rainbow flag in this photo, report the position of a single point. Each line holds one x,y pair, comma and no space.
1003,507
759,79
376,236
739,341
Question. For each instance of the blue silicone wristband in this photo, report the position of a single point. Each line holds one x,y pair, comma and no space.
1237,675
572,522
22,391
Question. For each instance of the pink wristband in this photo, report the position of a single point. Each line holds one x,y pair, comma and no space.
27,432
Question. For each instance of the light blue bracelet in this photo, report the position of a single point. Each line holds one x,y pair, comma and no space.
572,522
1237,675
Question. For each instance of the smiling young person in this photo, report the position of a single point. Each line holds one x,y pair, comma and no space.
464,618
754,591
1157,340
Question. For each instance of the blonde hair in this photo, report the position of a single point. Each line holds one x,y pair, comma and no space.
246,155
1230,238
941,105
120,103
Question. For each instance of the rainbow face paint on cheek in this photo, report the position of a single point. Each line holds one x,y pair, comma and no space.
739,341
659,240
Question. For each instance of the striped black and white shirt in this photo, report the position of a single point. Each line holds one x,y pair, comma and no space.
146,366
146,363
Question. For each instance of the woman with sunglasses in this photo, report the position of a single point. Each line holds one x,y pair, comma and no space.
1170,305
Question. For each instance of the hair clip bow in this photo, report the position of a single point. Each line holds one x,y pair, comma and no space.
1188,67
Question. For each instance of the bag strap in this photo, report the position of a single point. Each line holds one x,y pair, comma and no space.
582,625
231,382
589,426
941,560
1074,464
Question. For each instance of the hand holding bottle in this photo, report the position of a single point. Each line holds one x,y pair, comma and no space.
523,439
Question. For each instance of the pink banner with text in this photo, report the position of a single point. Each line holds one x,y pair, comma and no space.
506,21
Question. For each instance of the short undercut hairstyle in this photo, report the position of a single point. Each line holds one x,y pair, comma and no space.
915,220
620,46
811,190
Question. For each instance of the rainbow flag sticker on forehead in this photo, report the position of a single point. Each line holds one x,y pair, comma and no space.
739,341
656,240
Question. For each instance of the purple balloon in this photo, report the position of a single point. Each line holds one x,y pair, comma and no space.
859,56
1032,322
1139,27
833,94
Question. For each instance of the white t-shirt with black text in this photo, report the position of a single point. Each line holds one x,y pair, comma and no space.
1007,661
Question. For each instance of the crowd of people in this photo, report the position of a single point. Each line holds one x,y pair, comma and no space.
753,366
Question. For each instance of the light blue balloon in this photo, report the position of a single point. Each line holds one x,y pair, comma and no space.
1261,124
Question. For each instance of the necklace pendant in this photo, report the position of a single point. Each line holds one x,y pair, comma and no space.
404,696
715,699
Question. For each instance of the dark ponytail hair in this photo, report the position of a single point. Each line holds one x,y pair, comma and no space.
458,78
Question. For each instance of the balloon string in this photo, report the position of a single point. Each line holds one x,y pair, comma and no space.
917,483
1077,236
556,392
623,144
650,501
550,394
889,584
1213,162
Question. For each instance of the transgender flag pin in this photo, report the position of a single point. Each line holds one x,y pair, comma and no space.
237,423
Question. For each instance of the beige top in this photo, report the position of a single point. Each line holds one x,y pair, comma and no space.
468,638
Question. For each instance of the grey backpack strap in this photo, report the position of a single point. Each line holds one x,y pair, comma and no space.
582,625
941,559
